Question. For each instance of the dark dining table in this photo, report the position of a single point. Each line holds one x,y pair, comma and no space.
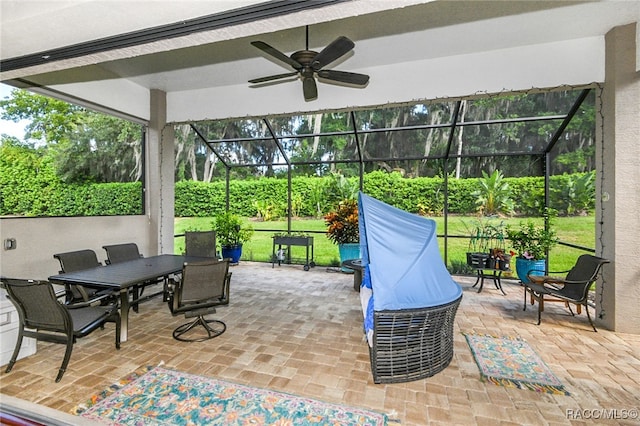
124,276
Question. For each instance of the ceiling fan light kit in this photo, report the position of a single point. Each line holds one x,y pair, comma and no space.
308,64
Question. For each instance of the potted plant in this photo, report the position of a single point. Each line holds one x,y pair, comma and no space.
231,235
487,245
342,229
531,244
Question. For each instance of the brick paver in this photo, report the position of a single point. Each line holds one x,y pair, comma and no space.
301,332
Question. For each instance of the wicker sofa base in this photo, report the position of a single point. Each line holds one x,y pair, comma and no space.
412,344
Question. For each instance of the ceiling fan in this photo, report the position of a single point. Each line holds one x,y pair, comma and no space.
308,64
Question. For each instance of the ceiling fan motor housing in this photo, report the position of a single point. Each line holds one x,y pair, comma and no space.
308,63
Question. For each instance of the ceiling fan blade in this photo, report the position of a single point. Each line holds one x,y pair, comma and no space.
344,77
336,49
276,54
309,88
272,77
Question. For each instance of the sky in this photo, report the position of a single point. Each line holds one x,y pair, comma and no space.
9,127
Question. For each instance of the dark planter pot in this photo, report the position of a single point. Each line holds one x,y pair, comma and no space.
293,241
523,266
233,253
505,264
477,260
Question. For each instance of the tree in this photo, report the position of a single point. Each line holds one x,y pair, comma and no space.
50,119
85,146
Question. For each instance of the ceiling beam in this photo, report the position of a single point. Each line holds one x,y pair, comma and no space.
242,15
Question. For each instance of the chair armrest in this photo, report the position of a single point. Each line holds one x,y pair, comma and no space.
227,285
93,302
544,279
567,282
544,274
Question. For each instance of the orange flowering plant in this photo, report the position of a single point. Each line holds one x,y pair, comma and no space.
343,223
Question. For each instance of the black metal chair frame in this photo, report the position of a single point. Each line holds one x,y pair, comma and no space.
117,253
202,287
572,289
42,317
76,261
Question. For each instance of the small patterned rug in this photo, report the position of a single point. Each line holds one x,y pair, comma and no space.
511,362
157,395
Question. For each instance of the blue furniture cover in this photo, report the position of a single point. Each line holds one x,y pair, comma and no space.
402,263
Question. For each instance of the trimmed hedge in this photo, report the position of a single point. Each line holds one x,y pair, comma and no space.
40,193
416,195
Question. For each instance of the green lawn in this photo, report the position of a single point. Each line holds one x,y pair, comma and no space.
574,230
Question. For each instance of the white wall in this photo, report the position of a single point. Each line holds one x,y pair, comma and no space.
617,217
39,238
572,63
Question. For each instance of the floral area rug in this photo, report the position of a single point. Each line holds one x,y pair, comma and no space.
511,362
161,396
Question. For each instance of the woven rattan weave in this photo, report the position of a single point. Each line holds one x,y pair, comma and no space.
412,344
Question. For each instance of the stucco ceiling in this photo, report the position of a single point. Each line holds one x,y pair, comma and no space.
411,49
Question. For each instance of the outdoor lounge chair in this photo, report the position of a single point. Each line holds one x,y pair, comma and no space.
78,260
409,299
42,317
202,287
412,344
574,288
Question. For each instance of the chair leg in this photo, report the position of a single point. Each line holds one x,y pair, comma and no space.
16,351
211,332
67,357
525,297
540,306
586,308
570,310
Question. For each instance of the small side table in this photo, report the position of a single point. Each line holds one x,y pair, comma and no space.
494,274
356,265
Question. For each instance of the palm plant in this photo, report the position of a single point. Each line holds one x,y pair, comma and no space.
494,194
576,196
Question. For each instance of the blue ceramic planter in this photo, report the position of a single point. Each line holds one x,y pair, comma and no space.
232,252
525,265
348,251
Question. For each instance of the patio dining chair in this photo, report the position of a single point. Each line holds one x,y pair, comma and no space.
202,286
574,288
79,260
200,243
117,253
42,317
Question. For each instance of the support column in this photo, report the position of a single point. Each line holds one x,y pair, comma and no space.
159,196
618,196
